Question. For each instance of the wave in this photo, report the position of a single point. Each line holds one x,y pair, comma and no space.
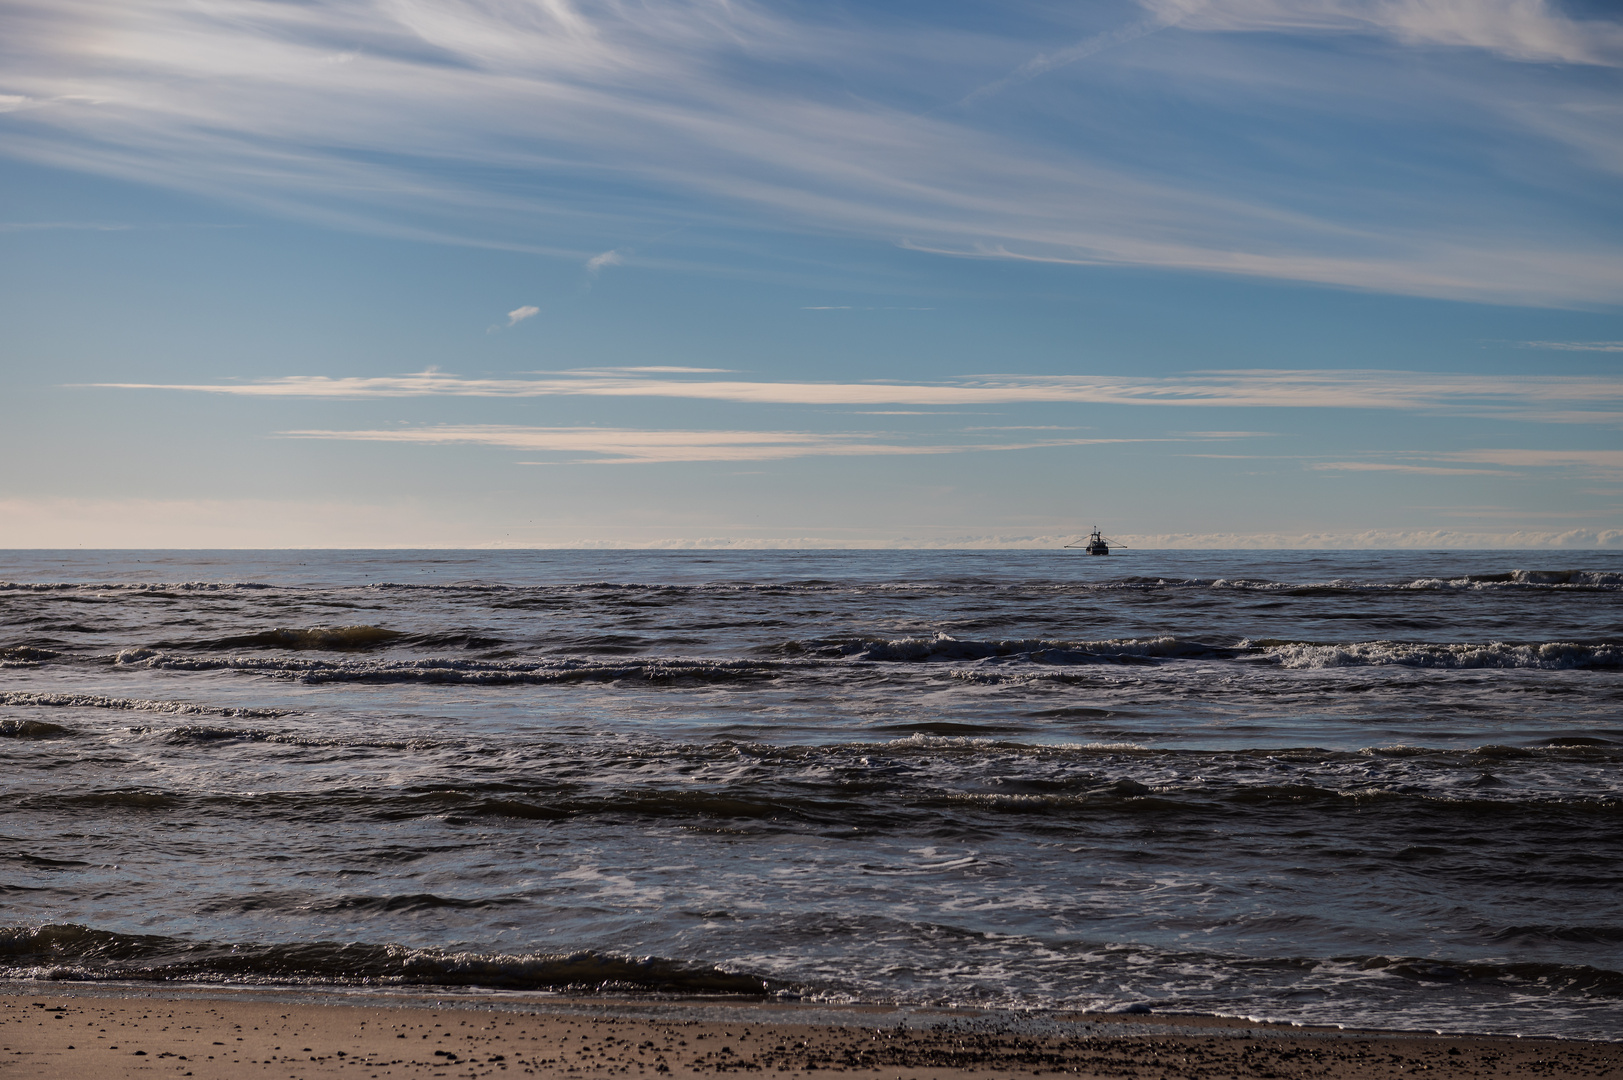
192,733
992,659
1560,579
1587,935
1580,979
1585,578
76,953
301,904
1554,655
485,672
879,796
69,952
136,586
1566,580
360,638
329,638
25,656
943,648
98,701
32,729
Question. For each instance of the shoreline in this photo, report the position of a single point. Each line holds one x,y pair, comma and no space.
57,1032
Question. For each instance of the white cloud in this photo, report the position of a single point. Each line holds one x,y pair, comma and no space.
1226,434
644,113
1447,269
1576,346
518,315
1388,466
1606,462
635,446
1515,397
596,263
1600,460
1526,30
666,369
1048,61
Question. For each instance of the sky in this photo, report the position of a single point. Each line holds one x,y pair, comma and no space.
710,273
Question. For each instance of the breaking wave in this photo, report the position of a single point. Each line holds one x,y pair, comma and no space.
1289,654
69,952
1191,981
486,672
1570,580
98,701
25,656
1554,655
989,657
945,649
135,586
204,734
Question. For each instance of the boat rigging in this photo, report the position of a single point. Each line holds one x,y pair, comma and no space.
1095,544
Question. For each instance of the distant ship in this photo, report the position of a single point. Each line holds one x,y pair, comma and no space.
1096,544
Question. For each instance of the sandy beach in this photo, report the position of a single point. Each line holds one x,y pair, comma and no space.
66,1035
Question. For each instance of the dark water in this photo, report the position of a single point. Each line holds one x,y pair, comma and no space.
1367,788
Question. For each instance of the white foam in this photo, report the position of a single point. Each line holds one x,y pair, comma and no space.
1554,655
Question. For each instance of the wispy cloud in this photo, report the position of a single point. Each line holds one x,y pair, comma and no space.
636,446
1575,346
566,119
1527,30
1608,461
518,315
1390,466
1506,396
1226,434
1601,462
659,369
1045,62
596,264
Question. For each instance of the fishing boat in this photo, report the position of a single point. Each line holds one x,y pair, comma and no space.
1095,544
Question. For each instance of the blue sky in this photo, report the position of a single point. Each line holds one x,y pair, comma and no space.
565,272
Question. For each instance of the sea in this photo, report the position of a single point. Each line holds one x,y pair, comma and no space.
1365,788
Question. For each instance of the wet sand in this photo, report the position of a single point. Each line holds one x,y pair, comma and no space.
75,1036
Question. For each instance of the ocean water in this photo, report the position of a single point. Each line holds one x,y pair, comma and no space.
1360,788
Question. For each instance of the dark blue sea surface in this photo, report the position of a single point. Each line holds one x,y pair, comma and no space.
1374,788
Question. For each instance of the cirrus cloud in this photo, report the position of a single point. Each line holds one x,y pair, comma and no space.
545,127
638,446
1546,398
1534,31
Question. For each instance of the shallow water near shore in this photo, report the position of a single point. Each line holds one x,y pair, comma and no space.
1374,789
